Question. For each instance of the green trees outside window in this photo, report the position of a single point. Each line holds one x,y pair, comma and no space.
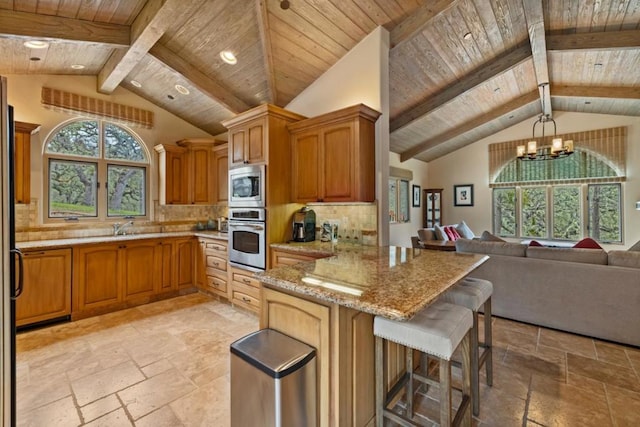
96,169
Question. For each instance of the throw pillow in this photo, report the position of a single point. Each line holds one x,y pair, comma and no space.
587,243
635,247
440,233
488,237
452,234
535,243
464,230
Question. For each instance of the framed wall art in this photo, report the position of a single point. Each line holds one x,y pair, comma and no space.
416,196
463,195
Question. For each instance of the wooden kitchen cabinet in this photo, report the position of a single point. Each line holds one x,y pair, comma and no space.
245,289
345,385
142,269
97,277
214,267
184,258
221,172
281,257
333,156
247,142
22,160
187,172
46,291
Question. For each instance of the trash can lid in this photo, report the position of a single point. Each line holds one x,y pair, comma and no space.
273,352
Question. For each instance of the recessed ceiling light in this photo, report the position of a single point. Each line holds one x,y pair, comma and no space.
183,90
136,83
467,36
228,57
77,66
36,44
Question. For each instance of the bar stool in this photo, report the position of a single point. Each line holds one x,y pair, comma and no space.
438,330
473,293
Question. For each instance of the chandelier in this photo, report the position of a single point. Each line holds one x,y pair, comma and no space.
558,148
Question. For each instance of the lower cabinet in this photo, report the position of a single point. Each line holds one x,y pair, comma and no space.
281,257
245,289
344,341
46,291
112,276
212,268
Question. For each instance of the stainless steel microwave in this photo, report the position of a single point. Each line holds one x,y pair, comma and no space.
247,186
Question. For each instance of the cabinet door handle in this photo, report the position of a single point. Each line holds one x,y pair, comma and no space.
245,299
246,162
33,253
247,281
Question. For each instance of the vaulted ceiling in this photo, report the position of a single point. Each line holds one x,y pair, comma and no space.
460,70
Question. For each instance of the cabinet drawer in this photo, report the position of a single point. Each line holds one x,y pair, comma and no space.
217,284
215,247
248,290
244,300
216,262
238,277
221,274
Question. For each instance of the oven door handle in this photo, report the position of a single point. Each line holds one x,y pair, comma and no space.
245,225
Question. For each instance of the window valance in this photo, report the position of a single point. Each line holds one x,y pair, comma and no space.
600,156
59,100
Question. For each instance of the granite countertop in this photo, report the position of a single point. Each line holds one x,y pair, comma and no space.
61,243
391,281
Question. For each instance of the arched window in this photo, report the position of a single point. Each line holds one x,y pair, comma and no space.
95,169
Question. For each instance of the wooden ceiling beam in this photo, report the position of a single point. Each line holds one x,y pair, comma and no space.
265,40
481,74
203,82
415,22
519,102
629,39
53,28
535,25
150,24
613,92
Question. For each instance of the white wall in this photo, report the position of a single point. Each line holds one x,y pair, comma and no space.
24,93
400,234
361,76
470,165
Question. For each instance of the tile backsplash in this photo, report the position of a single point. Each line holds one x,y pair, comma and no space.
167,218
352,218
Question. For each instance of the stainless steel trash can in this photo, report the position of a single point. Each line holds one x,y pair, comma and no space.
273,381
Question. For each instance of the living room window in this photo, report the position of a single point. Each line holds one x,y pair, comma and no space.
559,212
95,169
565,198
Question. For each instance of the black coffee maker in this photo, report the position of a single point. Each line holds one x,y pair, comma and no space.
304,225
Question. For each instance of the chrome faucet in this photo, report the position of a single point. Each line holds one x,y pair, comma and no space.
118,229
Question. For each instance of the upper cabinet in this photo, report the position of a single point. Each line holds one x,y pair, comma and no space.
221,171
22,160
187,172
257,133
333,156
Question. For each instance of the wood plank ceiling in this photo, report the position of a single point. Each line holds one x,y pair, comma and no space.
460,70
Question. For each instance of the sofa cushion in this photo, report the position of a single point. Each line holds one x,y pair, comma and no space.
625,258
488,237
452,233
426,234
587,256
490,248
635,247
587,243
441,234
464,230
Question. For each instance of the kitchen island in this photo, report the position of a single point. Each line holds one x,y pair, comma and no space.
330,304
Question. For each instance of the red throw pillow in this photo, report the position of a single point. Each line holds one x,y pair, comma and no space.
587,243
535,243
452,233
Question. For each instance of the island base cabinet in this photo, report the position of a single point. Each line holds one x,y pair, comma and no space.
343,339
47,287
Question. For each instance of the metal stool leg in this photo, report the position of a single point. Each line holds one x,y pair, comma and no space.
475,365
488,344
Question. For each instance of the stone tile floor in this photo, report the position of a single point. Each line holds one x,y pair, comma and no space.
166,364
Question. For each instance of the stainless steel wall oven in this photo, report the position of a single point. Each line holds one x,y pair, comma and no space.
247,238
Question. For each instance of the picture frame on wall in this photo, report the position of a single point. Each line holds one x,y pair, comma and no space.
463,195
416,196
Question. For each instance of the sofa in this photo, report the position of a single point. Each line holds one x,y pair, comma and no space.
583,291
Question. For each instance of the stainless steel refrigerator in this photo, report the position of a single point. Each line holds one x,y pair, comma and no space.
11,288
